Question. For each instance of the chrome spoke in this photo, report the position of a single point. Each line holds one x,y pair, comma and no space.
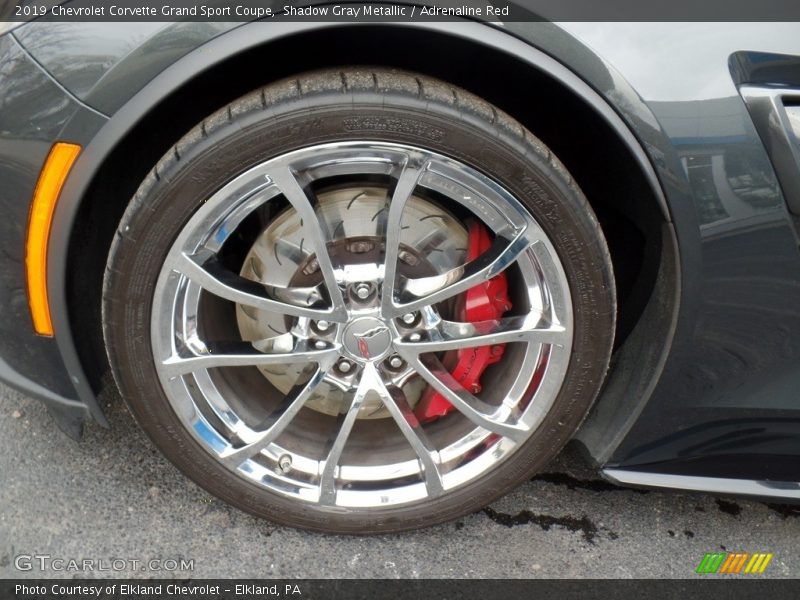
277,422
471,407
204,269
395,401
451,335
327,480
280,350
425,291
406,183
302,253
287,182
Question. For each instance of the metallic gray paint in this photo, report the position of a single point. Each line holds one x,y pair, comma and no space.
32,112
737,345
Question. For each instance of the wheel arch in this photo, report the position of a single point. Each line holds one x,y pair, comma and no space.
192,87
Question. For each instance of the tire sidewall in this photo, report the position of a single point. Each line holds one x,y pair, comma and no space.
181,183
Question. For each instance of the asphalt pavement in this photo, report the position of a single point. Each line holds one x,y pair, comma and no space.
112,497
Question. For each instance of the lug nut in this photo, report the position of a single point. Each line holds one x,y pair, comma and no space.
415,337
395,362
323,325
362,291
285,463
409,318
320,345
344,366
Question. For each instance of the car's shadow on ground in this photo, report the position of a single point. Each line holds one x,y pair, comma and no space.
113,494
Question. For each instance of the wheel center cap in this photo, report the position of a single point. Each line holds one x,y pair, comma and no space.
367,339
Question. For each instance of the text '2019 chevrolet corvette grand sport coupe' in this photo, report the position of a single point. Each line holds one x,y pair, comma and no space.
366,276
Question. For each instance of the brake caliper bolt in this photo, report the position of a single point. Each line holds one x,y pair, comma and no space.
409,318
285,463
395,362
362,291
345,366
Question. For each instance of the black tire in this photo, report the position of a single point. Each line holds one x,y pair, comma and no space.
336,105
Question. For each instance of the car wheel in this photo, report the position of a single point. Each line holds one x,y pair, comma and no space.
359,300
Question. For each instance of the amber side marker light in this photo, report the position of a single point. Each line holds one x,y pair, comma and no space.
56,168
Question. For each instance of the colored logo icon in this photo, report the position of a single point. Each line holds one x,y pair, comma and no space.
734,563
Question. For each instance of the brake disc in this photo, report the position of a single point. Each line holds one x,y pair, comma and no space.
433,241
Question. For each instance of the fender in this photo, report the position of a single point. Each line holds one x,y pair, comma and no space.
253,35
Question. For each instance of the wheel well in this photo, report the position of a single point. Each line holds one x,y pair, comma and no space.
592,151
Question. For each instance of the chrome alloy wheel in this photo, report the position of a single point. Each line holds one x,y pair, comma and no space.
293,338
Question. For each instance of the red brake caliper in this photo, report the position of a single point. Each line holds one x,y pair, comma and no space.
485,302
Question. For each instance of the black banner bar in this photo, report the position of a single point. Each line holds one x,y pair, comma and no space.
731,588
401,11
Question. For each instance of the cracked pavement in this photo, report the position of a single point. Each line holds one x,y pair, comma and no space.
114,496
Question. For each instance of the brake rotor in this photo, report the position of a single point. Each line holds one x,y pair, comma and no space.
432,242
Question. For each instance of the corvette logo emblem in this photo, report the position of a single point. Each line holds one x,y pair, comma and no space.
364,339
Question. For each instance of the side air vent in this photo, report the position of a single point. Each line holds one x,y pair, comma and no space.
793,114
776,115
